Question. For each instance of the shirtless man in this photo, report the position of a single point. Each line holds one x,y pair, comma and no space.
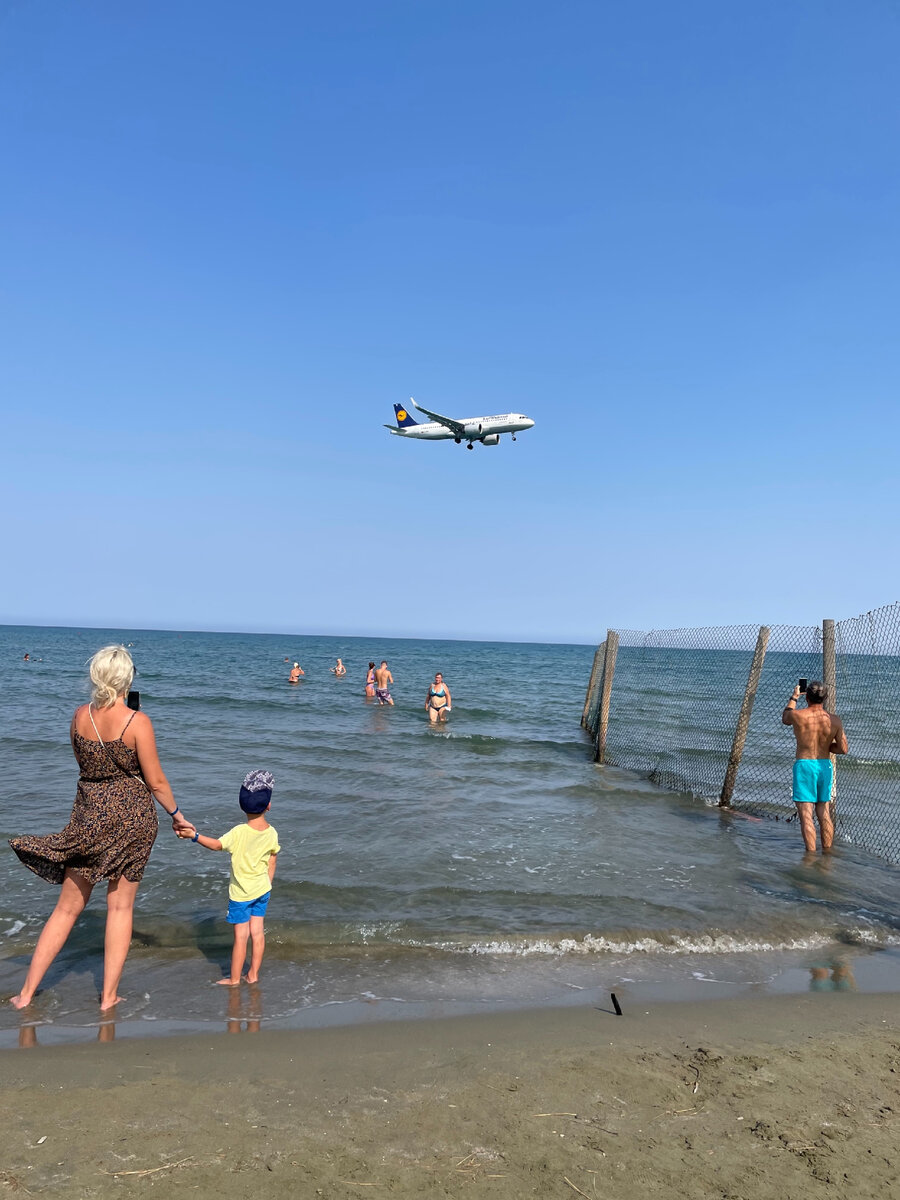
296,672
819,734
382,678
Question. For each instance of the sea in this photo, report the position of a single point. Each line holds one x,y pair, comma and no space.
481,864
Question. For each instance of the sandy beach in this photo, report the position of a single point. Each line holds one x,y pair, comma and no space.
773,1097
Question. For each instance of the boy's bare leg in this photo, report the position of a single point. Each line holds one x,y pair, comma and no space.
238,954
257,948
76,892
119,917
807,826
823,815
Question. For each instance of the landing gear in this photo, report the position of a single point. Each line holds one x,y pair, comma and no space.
457,440
470,446
513,436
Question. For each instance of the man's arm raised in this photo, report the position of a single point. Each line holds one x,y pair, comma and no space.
787,717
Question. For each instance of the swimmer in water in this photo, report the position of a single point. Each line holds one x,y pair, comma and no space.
296,672
370,680
437,700
339,669
383,678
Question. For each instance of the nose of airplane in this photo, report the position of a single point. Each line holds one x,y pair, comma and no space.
529,423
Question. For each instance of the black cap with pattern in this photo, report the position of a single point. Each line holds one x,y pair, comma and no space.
256,792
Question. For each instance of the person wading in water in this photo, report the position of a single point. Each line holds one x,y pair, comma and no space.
819,734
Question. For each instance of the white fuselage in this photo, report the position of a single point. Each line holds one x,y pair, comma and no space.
475,428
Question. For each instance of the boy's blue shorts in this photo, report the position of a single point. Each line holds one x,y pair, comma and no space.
812,780
240,911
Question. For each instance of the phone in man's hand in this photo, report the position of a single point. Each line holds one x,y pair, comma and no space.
134,701
802,686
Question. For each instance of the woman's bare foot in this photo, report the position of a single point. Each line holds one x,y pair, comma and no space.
105,1006
228,982
19,1001
252,978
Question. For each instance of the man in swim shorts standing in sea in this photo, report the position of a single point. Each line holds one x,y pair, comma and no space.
819,734
382,678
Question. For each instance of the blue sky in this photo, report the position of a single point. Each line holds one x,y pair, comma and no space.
234,235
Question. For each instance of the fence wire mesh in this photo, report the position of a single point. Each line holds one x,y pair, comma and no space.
673,700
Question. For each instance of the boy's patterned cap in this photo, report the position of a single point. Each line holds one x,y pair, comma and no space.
256,791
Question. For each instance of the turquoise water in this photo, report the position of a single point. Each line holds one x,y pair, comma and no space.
488,861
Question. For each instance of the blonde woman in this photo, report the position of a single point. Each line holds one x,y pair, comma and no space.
113,824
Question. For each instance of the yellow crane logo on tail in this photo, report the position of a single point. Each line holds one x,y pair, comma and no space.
401,415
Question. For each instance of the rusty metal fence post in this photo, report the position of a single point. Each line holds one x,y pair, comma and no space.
743,721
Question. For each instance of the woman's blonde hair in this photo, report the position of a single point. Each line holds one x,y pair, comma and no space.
112,671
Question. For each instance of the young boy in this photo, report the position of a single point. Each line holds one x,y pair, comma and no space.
253,847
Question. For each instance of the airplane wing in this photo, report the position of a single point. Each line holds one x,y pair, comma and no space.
455,427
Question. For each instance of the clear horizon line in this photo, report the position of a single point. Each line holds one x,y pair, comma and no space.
282,633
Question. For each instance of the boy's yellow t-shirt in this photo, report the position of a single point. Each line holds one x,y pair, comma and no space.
250,851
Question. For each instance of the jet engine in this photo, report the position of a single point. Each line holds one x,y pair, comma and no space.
491,439
473,429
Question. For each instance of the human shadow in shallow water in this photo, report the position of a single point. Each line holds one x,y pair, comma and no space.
83,952
213,939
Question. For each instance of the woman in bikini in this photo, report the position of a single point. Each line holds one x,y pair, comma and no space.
370,681
112,828
437,700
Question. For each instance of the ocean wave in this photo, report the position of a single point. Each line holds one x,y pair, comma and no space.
722,943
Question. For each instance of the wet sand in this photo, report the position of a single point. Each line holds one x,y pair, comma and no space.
789,1097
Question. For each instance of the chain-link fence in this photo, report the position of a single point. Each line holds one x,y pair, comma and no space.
699,711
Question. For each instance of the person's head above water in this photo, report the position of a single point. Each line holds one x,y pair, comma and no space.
296,664
112,672
371,665
816,692
384,662
256,792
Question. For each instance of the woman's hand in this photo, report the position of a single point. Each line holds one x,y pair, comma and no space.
182,826
186,831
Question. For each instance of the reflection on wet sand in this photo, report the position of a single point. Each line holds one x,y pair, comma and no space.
28,1036
836,977
244,1009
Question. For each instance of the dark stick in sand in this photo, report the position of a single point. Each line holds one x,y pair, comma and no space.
616,1006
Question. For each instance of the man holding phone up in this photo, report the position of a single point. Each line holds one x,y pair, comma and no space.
819,734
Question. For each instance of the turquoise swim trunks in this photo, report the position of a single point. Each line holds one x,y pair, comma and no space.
812,780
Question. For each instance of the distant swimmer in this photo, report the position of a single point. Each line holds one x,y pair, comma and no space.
27,658
296,672
370,680
819,734
339,669
437,700
382,678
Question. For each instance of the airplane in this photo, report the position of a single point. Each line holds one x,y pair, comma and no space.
486,430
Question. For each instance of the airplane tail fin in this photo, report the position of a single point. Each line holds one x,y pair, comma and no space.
404,420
